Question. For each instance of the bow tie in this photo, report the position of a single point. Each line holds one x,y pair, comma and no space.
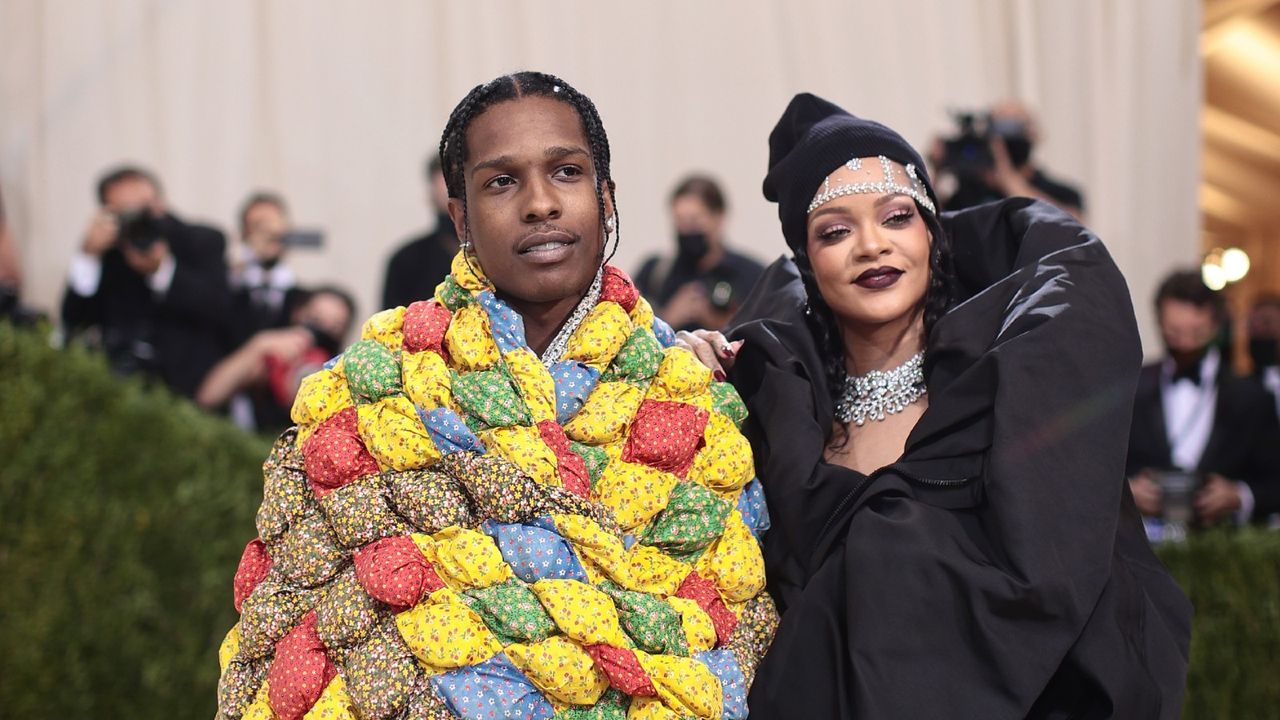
1190,373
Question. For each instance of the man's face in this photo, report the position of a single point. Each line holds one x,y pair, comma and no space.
130,194
265,223
531,211
1186,328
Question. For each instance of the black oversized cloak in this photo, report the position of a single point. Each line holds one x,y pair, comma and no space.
999,568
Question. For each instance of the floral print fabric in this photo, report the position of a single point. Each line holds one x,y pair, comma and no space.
454,530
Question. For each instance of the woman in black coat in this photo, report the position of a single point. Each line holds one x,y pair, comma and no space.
939,409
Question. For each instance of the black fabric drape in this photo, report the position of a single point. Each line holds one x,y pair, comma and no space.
999,568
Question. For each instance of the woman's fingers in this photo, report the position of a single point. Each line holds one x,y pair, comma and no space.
702,349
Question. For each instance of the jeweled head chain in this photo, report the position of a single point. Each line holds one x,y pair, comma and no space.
911,186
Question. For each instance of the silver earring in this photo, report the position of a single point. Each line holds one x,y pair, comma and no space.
610,223
466,245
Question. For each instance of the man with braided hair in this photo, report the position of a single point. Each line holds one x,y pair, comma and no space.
516,499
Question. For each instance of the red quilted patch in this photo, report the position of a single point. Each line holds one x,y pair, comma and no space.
623,670
703,591
334,454
299,672
570,466
393,570
425,323
255,563
616,286
665,435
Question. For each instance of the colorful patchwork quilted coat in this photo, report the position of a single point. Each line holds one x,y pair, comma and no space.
454,530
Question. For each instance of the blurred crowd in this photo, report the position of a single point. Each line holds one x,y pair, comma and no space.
235,329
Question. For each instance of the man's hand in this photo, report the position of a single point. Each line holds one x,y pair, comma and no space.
1146,493
101,235
1217,499
146,262
285,344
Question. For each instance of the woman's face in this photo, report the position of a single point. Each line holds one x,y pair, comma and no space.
870,252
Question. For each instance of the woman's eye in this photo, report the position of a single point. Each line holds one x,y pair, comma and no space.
835,232
899,218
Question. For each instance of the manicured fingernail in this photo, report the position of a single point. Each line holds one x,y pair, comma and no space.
719,375
727,351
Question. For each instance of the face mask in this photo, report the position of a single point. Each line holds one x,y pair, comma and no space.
692,246
1264,352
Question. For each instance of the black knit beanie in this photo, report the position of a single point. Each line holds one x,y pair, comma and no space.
813,138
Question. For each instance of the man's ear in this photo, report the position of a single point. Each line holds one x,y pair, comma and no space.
605,186
458,215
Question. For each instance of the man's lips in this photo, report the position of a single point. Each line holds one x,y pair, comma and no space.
544,241
877,278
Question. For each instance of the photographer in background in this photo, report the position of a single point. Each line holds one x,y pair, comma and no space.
268,368
991,159
148,288
1193,416
703,285
421,263
261,279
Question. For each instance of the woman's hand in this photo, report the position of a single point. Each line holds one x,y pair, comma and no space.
712,348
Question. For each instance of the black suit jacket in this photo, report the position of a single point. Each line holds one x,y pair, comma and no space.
186,328
1244,443
417,267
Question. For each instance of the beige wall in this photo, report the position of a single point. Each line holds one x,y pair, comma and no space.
336,104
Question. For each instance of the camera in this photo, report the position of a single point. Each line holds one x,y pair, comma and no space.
138,228
967,154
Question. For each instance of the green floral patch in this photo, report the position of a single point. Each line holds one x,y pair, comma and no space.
595,458
373,371
490,396
726,401
452,294
638,359
511,611
654,625
694,517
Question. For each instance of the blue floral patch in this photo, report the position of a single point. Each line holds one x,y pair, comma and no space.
755,513
492,689
574,382
449,432
535,551
505,324
724,666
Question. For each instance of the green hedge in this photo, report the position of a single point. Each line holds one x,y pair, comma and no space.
123,512
1233,579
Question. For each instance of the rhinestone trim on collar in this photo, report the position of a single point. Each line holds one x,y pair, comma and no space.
555,349
881,392
913,187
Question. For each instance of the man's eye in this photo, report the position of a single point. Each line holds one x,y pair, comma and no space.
568,171
501,181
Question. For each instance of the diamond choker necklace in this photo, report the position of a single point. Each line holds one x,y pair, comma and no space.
555,349
881,392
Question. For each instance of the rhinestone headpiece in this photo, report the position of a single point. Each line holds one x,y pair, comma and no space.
910,185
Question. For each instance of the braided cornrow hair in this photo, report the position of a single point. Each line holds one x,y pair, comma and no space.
822,320
453,143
